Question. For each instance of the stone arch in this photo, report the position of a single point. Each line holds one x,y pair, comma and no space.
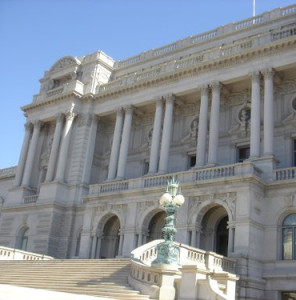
108,236
152,225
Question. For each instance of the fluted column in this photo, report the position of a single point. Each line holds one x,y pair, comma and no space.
90,149
255,116
214,124
268,113
202,128
115,145
55,148
126,132
230,238
155,144
166,134
23,156
31,154
70,116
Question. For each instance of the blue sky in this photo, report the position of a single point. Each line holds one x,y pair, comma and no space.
36,33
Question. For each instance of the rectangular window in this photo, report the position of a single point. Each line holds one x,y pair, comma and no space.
146,167
191,161
243,153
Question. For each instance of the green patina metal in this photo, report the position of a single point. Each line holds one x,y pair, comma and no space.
167,251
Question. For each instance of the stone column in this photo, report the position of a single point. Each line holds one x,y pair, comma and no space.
193,238
126,132
23,156
202,128
166,134
268,113
155,144
70,116
230,238
97,254
121,237
214,124
255,116
115,145
55,148
31,154
90,149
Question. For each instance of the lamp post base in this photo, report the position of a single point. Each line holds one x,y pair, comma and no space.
167,253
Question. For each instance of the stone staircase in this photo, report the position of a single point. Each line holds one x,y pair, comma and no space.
106,278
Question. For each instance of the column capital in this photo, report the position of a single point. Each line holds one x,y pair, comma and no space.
268,73
118,110
169,97
28,125
128,109
255,75
59,117
70,115
204,89
159,100
216,85
37,124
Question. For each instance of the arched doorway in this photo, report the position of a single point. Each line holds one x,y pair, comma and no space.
110,239
215,233
155,226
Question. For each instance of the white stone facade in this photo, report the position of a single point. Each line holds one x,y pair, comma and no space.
216,110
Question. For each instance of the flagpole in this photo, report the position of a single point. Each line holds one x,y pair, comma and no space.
254,8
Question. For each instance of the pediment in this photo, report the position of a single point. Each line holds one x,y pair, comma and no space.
64,62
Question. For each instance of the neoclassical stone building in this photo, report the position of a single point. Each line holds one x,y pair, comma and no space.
217,111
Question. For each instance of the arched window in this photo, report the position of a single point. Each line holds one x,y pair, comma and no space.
22,239
289,237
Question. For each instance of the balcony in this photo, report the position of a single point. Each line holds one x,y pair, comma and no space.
190,176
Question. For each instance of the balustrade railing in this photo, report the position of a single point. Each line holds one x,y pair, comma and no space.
16,254
30,199
199,58
285,174
233,27
188,176
8,172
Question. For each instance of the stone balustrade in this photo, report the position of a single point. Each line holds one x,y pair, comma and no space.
200,58
16,254
144,275
230,28
71,86
8,172
30,199
285,174
192,175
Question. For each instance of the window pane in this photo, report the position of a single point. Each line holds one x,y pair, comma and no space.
287,243
290,220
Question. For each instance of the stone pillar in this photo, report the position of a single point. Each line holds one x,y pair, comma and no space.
255,116
126,132
140,237
214,124
121,237
193,238
31,154
268,113
23,156
202,128
93,246
99,242
230,238
65,146
115,145
155,144
90,150
166,134
55,148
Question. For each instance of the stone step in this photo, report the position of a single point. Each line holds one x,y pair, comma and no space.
104,278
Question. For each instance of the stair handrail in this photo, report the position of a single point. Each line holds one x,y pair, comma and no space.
17,254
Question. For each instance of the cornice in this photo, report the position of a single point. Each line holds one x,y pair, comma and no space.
200,67
183,68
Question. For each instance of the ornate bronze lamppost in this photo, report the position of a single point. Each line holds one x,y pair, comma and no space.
171,200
